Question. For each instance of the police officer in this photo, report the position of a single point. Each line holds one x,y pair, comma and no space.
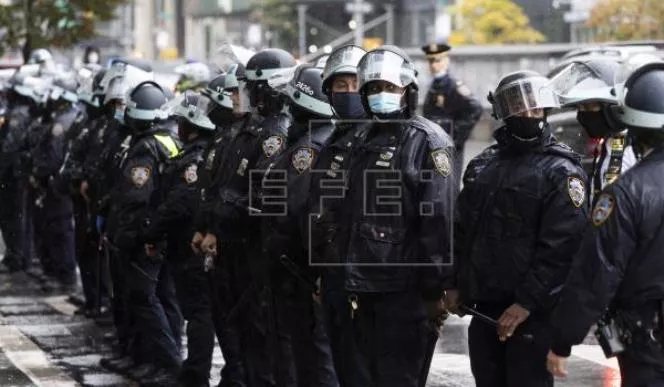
591,94
520,217
229,117
262,138
193,76
149,287
13,185
449,102
80,139
53,215
381,242
619,271
303,357
173,220
326,196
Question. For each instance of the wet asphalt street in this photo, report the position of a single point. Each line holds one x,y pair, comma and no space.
42,343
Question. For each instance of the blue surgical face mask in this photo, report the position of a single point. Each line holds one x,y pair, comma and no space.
119,115
384,103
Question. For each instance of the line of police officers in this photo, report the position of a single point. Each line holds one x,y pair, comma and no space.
308,218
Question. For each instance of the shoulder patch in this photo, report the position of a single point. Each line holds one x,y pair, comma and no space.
57,129
302,159
441,161
271,145
140,175
603,208
576,189
191,174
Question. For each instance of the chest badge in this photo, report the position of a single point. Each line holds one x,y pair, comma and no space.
441,161
387,155
191,174
242,167
302,159
209,162
603,209
440,100
140,176
271,145
576,190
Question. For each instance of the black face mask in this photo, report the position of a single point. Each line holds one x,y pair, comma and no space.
525,128
221,116
595,124
348,106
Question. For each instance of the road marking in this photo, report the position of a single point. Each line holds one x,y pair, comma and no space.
31,360
594,354
61,304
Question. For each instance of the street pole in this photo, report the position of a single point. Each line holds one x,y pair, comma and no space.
358,16
302,26
389,24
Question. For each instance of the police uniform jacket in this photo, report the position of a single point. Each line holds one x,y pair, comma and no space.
395,227
260,140
520,218
450,104
619,265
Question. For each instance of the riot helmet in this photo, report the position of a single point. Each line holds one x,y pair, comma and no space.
260,67
306,99
340,82
143,106
192,76
588,86
192,114
521,100
641,107
62,93
388,83
220,88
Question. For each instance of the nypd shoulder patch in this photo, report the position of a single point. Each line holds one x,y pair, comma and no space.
603,208
140,175
302,159
576,189
441,161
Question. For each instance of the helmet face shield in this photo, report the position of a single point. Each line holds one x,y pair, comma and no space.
342,61
386,66
578,84
627,68
523,95
280,79
196,113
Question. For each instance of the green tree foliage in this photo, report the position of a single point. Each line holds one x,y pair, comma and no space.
627,20
29,24
279,19
492,22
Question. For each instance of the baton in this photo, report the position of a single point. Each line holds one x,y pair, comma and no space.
488,320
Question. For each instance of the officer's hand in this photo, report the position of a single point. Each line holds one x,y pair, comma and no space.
556,365
196,242
83,190
150,250
209,244
453,302
511,318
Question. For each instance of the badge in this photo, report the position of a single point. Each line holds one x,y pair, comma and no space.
442,162
576,190
440,100
210,159
302,159
140,176
603,208
382,163
242,167
387,155
271,145
191,174
463,89
57,130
